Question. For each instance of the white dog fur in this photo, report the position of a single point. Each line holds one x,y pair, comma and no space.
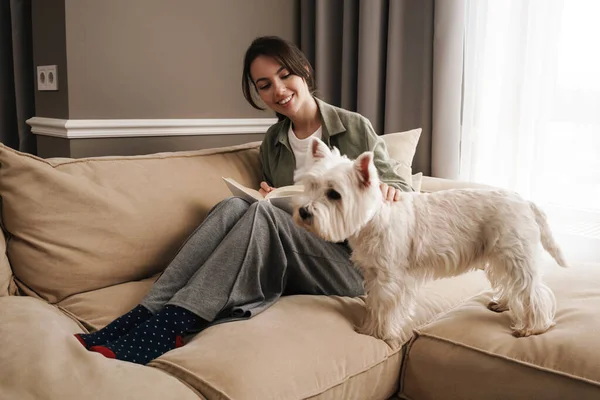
399,245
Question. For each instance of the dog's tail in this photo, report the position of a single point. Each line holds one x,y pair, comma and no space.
546,236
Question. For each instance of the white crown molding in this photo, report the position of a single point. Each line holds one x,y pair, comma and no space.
120,128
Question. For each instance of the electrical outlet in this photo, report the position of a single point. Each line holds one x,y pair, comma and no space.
47,77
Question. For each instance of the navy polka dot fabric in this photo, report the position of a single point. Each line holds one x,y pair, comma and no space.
119,327
152,338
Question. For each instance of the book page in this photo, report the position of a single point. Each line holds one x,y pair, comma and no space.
239,190
285,203
285,197
285,191
282,197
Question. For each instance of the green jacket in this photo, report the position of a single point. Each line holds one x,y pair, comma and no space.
350,132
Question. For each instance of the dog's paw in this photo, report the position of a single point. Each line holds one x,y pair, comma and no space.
497,307
529,330
371,329
521,333
378,332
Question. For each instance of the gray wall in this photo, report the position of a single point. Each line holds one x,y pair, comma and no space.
49,48
151,58
154,59
165,59
77,148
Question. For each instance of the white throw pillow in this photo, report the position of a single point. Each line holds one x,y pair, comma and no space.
401,147
417,180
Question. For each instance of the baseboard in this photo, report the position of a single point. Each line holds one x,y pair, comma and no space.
119,128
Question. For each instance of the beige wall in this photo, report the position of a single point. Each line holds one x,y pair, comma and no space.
151,58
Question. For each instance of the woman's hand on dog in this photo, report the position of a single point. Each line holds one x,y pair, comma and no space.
265,188
390,193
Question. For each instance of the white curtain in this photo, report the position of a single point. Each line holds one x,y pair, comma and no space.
531,109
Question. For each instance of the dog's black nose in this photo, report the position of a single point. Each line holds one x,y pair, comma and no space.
304,214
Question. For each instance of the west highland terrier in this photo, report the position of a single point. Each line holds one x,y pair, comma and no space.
399,245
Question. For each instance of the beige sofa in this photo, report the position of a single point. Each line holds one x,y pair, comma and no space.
83,240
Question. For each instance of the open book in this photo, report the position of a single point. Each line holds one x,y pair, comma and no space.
282,197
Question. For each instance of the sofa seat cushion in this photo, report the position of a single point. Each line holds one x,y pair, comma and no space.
470,353
302,347
40,359
97,308
306,347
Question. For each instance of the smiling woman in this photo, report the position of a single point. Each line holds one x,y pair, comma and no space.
278,71
285,93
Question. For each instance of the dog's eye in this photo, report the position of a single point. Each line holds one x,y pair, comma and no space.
333,195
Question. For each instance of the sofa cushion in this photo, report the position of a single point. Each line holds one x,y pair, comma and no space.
287,351
433,184
302,347
97,308
79,225
306,347
41,359
401,147
469,353
417,181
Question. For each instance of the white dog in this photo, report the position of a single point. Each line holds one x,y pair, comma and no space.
399,245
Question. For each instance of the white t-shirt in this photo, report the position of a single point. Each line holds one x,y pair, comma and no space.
300,146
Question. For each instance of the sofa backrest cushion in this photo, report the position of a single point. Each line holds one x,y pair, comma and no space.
83,224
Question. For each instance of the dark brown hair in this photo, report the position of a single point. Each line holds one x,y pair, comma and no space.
286,53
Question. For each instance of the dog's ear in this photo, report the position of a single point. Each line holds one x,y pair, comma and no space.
318,149
365,168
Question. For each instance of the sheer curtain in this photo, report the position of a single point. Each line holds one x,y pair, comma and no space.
531,109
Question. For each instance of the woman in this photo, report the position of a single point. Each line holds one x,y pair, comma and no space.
243,257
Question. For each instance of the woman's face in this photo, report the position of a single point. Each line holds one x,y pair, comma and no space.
280,90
